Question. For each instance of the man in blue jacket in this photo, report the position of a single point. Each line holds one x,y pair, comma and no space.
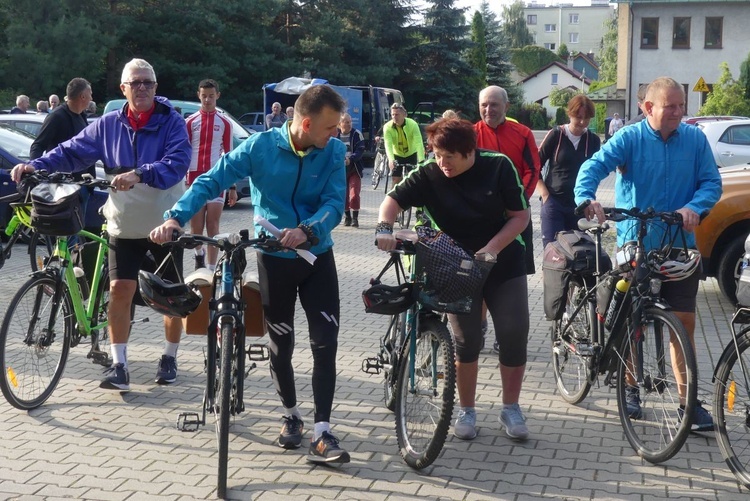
666,165
146,153
298,183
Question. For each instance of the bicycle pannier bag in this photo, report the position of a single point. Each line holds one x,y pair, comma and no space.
197,322
572,252
56,209
743,286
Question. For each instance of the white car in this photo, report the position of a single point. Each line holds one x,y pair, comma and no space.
729,140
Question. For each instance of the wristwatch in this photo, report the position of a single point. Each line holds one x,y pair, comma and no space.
139,172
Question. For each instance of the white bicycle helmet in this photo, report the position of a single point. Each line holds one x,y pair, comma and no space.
678,267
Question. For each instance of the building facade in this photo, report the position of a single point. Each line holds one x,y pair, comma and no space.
683,39
579,28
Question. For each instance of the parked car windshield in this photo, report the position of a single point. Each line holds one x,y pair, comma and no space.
16,142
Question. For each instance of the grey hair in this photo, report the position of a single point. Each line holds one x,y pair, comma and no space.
136,64
494,89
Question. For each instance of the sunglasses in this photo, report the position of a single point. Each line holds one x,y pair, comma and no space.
146,84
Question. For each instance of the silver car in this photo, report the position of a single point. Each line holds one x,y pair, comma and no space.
729,140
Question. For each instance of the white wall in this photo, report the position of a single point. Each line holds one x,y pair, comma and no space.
540,86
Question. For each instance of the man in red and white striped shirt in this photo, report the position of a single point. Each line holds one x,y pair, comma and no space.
210,136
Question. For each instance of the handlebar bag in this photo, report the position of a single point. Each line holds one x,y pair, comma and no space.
57,209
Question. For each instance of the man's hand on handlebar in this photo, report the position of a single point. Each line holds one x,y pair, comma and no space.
19,170
292,237
126,181
690,219
164,233
594,209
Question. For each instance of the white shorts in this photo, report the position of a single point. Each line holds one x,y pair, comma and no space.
217,200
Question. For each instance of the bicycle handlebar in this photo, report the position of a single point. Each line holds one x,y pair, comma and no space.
620,214
42,176
227,242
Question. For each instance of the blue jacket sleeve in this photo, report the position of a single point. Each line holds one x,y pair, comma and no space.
709,180
73,155
228,170
328,216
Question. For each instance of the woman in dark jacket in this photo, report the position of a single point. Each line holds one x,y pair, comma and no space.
355,147
564,150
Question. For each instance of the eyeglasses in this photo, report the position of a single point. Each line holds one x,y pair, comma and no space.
146,84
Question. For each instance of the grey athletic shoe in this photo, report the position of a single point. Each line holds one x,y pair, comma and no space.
466,424
514,422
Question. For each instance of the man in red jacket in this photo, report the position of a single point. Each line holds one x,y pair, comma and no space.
516,141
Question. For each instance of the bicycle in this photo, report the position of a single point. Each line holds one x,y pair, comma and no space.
380,166
19,228
416,354
636,356
224,392
731,377
404,217
51,312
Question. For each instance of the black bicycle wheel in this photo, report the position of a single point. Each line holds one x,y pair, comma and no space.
391,354
378,170
424,403
658,433
34,343
100,352
221,405
570,365
40,250
386,178
732,406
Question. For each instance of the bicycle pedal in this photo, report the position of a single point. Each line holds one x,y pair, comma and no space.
372,365
188,421
100,358
258,352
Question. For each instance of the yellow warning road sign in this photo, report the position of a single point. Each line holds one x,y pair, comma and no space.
701,86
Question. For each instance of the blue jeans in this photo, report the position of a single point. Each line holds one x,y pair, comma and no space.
556,216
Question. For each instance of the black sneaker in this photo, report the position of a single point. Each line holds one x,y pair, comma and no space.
633,402
326,450
116,377
291,432
702,420
355,222
347,220
200,261
166,372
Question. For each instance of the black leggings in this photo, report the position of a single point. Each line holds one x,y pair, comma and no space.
318,286
508,304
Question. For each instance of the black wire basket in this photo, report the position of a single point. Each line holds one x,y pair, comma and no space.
450,279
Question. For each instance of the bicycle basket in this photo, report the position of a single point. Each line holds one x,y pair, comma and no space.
451,275
56,209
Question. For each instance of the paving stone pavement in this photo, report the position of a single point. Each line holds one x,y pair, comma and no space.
87,443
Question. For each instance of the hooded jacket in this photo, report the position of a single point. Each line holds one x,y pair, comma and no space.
286,188
160,148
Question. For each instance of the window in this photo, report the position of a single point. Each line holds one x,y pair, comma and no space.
650,33
714,28
681,33
737,134
573,18
531,19
573,37
550,46
554,79
550,28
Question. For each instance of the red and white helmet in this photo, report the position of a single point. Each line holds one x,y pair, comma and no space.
678,267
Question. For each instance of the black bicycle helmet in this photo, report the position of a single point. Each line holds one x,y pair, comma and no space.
174,300
387,299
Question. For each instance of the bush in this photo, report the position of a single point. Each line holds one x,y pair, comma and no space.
601,114
561,116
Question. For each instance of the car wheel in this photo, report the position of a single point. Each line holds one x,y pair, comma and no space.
728,271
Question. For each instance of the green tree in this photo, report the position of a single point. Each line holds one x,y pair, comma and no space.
514,26
477,54
440,72
531,58
727,98
608,52
563,52
745,76
560,97
499,67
